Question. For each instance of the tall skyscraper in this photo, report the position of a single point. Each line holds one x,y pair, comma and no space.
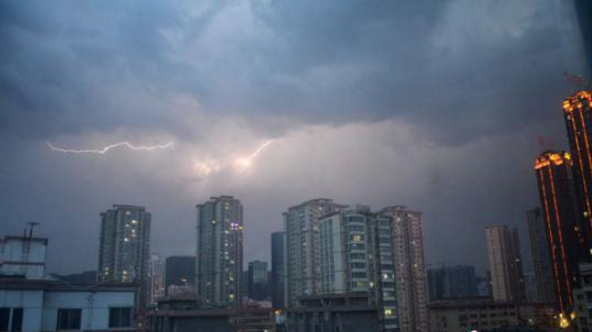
410,271
219,257
302,264
539,249
257,280
155,279
124,249
277,269
180,273
356,255
505,263
577,111
562,220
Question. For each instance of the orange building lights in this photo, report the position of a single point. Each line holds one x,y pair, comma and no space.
561,215
577,110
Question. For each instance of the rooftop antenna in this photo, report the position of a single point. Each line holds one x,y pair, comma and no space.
32,224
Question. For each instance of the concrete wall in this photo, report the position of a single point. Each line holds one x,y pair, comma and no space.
41,307
95,307
30,301
23,256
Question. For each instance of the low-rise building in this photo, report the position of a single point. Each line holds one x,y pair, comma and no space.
353,312
486,315
187,314
47,305
23,256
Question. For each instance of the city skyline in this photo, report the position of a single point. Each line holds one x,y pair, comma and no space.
296,166
424,122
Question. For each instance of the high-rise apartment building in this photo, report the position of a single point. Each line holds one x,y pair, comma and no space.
410,269
577,111
562,223
344,247
541,262
302,273
219,256
124,244
156,287
505,263
277,269
124,249
257,280
356,255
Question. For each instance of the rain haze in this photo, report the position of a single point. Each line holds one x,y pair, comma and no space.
440,106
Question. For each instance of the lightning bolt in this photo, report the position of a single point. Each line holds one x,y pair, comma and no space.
113,146
258,151
246,162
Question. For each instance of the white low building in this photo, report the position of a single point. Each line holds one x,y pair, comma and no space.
23,256
44,305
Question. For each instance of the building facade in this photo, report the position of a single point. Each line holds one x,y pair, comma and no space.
577,112
539,249
277,269
505,264
357,256
583,300
23,256
156,279
334,313
344,246
46,305
257,280
219,256
410,269
180,272
124,247
452,282
301,270
562,223
487,315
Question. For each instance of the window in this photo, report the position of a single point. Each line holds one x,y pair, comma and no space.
4,318
120,317
16,324
17,320
69,319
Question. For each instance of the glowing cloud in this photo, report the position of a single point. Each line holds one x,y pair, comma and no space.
207,167
112,146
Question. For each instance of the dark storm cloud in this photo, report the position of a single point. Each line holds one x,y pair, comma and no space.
433,104
70,67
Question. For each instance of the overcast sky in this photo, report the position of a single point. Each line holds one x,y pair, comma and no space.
435,105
